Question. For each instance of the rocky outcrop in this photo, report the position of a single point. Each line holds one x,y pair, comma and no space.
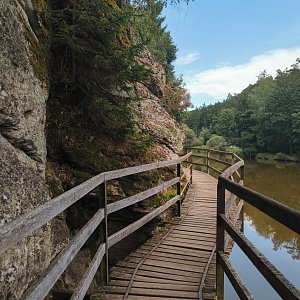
157,80
23,95
151,118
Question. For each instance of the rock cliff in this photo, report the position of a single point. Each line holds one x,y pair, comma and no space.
23,96
75,153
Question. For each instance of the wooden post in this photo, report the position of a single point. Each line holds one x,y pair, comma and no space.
103,234
242,174
220,241
178,190
207,162
241,216
191,169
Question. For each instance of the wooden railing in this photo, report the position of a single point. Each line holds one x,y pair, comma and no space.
234,171
17,230
215,162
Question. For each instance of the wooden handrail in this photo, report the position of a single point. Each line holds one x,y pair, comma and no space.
283,214
17,230
279,212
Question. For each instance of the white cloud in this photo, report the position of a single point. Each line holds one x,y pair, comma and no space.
218,82
187,58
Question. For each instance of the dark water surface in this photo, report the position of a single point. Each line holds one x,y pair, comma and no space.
280,181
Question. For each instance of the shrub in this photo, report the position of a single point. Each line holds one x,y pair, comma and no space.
217,142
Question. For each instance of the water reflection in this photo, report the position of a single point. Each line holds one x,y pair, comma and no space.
280,181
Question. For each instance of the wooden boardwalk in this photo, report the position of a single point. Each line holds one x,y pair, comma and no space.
171,266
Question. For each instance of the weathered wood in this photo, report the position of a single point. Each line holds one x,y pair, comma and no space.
181,257
42,286
139,169
185,157
136,225
214,169
104,233
229,171
184,189
229,203
178,191
153,285
205,272
141,196
199,156
220,161
12,233
280,212
232,275
220,244
154,292
186,171
191,169
89,274
282,286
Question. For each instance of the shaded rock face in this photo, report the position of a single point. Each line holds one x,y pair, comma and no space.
22,189
23,95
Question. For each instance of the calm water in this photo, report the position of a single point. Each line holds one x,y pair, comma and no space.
280,181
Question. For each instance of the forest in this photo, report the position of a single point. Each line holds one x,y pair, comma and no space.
263,118
109,38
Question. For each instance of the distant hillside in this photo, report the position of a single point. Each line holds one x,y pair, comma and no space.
264,117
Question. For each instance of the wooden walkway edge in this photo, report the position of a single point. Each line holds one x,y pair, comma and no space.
172,266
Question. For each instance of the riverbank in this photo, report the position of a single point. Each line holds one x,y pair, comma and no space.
278,157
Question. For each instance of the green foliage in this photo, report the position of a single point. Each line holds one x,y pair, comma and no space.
151,32
217,142
264,117
205,134
190,139
94,61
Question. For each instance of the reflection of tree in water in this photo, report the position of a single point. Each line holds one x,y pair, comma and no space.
280,182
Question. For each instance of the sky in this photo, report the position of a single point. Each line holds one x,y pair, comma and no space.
223,45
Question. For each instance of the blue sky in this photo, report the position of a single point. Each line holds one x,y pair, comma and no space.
224,44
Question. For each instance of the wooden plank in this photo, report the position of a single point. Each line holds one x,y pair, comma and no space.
43,285
229,203
282,286
229,171
214,169
141,196
220,161
139,278
187,274
280,212
89,274
116,237
15,231
234,278
177,277
178,260
184,246
195,242
171,265
158,286
155,292
139,169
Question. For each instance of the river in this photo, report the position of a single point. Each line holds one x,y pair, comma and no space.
280,181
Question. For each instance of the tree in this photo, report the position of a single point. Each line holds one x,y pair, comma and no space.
217,142
205,134
94,61
190,139
176,99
